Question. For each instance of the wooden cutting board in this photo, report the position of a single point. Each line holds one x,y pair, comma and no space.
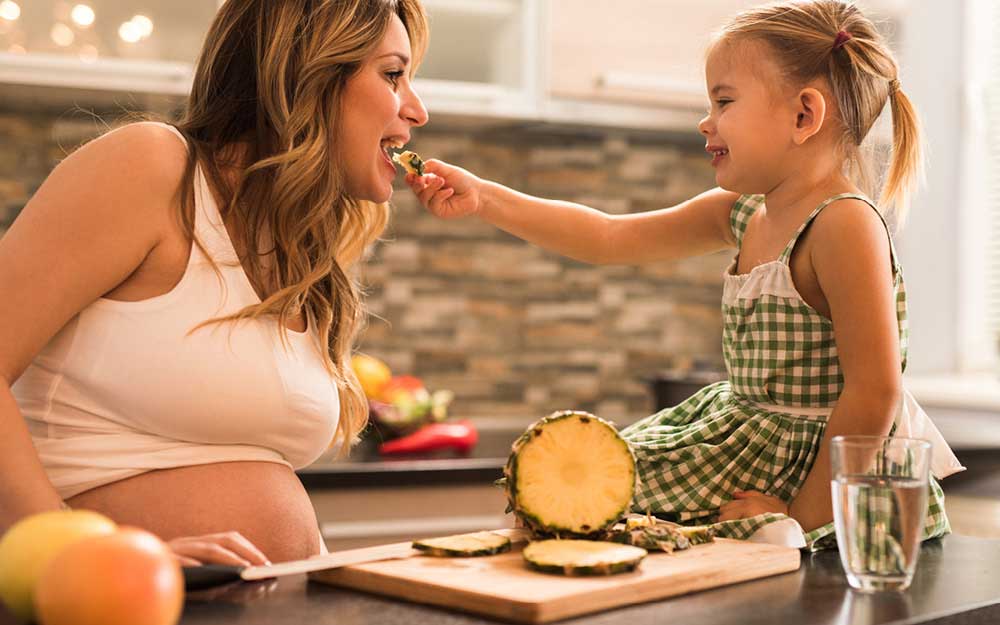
503,587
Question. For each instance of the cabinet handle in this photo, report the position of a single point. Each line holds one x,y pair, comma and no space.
416,527
678,90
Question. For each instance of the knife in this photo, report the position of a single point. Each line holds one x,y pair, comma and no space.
208,575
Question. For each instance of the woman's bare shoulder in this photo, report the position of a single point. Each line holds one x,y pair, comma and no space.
132,172
143,153
91,224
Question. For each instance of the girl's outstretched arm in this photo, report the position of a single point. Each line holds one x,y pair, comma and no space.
697,226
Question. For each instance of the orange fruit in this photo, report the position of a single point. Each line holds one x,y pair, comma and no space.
127,578
372,373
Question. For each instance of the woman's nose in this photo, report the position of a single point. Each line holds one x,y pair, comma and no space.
413,109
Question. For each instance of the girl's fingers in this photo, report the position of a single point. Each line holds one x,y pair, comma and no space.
430,188
437,203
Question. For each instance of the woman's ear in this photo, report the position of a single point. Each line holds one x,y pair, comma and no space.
810,113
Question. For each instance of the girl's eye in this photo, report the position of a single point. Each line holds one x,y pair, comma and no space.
722,103
394,77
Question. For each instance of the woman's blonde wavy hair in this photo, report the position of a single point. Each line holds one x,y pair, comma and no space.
860,71
266,100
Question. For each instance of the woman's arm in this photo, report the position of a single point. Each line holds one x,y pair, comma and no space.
851,259
88,227
697,226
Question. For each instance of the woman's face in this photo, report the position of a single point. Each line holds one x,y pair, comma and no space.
378,110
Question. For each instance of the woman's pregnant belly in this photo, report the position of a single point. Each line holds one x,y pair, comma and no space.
264,501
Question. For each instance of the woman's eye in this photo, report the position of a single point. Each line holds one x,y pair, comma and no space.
394,77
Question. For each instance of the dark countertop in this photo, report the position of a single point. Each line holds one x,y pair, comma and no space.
366,468
955,584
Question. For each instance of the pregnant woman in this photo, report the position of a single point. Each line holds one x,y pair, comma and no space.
176,306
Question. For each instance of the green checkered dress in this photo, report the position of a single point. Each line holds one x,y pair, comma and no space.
761,429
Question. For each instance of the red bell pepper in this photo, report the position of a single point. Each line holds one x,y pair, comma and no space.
459,435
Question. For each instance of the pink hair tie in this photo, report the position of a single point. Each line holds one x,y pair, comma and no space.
841,39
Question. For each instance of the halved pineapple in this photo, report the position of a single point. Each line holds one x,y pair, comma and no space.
570,474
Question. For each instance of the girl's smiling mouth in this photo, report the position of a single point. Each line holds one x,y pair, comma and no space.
718,152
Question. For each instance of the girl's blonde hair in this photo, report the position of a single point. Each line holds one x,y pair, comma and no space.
269,84
832,40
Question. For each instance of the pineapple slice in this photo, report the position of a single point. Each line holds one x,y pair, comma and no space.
410,161
570,474
464,545
582,557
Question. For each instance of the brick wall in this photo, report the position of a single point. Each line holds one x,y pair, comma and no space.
513,330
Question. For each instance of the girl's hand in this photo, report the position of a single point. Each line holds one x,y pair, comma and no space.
751,503
445,190
222,548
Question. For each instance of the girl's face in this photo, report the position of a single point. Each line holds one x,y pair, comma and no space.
748,129
379,108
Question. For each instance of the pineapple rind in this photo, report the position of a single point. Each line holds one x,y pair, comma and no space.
531,518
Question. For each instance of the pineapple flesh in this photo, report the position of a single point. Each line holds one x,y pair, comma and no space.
582,557
410,161
571,475
464,545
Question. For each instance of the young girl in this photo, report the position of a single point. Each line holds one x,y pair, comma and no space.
814,305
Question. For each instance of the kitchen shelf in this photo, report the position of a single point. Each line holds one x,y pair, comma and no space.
52,70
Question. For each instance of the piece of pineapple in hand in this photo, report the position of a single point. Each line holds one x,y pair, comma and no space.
410,161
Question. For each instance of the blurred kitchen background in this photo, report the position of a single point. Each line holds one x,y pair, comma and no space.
579,100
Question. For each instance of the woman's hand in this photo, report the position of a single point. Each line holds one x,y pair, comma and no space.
750,503
445,190
223,548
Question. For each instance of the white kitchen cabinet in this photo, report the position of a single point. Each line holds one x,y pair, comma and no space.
632,51
638,63
631,63
49,49
482,58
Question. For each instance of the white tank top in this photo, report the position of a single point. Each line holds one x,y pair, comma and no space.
123,388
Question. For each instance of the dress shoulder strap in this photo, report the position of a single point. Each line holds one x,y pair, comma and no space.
743,209
786,254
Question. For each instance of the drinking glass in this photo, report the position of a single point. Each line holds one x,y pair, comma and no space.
879,505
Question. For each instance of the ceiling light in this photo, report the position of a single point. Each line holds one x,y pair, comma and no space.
82,15
9,10
144,23
129,32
